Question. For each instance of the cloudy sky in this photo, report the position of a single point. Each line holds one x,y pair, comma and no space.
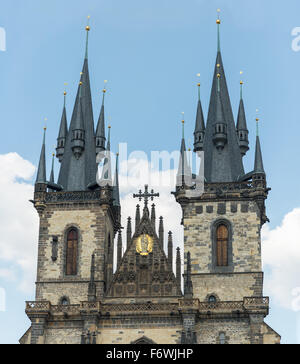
150,53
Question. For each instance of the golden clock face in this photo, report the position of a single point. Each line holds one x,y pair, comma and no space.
144,244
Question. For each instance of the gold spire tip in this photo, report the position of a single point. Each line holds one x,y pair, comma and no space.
109,126
88,28
218,20
218,75
80,83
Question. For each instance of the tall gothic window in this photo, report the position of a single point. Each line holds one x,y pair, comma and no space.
72,252
222,246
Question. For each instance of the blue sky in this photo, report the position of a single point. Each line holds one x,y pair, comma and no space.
150,52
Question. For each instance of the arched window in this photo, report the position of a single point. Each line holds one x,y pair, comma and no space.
64,301
222,338
72,252
222,246
212,299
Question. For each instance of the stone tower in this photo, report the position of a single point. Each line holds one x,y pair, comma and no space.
78,220
84,297
222,226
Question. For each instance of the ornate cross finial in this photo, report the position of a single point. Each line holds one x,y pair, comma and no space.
146,195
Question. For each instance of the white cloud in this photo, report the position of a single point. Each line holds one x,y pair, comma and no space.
281,254
18,221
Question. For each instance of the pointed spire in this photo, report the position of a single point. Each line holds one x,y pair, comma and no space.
129,232
77,174
63,132
258,164
87,28
161,232
78,132
184,173
200,125
116,190
119,249
153,216
92,285
100,131
170,251
188,288
41,174
222,154
241,127
178,269
137,217
218,28
51,180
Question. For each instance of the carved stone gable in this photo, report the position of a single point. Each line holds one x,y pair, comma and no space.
144,274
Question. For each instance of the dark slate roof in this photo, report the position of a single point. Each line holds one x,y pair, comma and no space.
184,172
100,131
76,175
241,120
51,180
200,125
63,129
41,173
225,165
258,164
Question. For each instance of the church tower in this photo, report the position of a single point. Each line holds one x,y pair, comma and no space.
222,226
78,219
84,296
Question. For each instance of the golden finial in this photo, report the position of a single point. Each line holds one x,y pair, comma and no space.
104,88
65,92
80,83
241,82
87,28
257,121
218,75
218,20
218,65
45,125
198,75
109,126
183,122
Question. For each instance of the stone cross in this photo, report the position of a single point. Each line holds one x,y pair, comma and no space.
146,195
